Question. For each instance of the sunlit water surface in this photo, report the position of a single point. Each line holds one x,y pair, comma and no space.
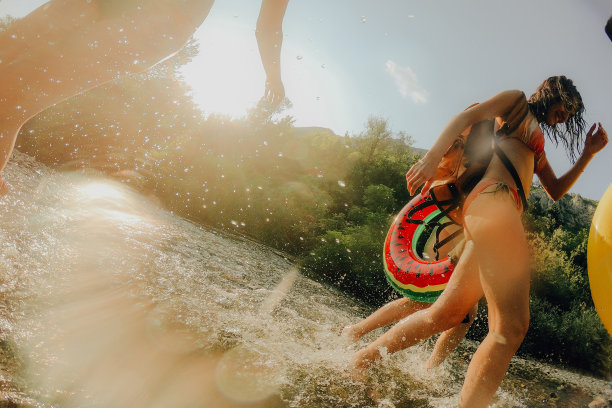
109,301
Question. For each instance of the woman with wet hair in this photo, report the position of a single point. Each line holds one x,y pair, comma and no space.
66,47
495,262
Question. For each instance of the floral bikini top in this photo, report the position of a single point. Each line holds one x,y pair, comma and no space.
529,131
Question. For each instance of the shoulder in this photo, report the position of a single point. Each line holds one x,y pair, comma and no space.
512,96
498,105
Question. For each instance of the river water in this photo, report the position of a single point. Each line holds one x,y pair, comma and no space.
107,300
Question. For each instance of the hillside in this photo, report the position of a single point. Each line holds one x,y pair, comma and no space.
574,212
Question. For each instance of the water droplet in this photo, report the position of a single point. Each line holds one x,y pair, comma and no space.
363,19
299,57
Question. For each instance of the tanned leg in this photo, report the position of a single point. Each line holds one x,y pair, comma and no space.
460,295
501,248
450,339
66,47
388,314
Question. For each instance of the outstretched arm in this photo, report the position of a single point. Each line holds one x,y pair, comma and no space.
557,187
425,169
269,35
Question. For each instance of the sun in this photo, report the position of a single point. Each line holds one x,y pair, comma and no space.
227,76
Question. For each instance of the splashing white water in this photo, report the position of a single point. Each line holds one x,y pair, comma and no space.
111,301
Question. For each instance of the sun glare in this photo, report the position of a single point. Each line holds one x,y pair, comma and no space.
227,76
100,190
107,203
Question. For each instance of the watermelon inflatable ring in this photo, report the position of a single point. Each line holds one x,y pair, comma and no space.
408,269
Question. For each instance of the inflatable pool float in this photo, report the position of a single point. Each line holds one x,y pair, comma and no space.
599,259
409,269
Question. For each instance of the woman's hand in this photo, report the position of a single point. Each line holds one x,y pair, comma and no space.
595,140
421,172
275,91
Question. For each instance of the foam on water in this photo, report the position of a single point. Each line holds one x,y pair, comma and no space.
108,300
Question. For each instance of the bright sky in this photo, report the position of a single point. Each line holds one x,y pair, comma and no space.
415,63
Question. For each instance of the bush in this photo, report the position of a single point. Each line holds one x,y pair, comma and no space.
576,337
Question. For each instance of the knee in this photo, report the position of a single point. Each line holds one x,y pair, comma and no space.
471,316
446,318
474,312
512,330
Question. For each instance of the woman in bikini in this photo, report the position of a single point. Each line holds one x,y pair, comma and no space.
66,47
403,307
495,262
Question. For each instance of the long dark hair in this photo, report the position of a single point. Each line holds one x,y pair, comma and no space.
560,89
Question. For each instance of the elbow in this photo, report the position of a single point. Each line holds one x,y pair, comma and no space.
462,121
555,195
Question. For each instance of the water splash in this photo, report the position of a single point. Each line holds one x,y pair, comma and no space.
116,301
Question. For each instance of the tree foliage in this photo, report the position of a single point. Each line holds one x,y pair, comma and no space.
327,199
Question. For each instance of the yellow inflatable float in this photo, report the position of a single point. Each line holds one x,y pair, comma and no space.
599,259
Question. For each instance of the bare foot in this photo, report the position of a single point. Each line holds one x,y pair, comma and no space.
350,334
431,363
363,358
358,372
4,188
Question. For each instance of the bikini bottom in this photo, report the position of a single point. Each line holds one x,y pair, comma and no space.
500,187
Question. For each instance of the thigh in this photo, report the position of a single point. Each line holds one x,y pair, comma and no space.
500,245
170,17
464,288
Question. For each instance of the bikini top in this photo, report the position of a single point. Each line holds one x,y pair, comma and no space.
529,131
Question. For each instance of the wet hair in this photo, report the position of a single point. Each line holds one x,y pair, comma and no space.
554,90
